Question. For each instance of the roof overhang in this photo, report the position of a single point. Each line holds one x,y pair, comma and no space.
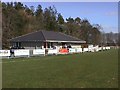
49,41
66,41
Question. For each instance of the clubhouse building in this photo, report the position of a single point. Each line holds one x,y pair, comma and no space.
45,39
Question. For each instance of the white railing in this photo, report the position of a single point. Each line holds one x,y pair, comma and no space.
85,49
4,53
72,50
79,50
38,51
33,52
21,52
52,51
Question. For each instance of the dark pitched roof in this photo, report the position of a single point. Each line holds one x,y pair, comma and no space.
48,36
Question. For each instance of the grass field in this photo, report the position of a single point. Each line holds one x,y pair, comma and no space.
85,70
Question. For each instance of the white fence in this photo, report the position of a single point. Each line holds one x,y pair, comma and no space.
27,52
85,49
21,52
78,50
72,50
96,48
100,48
52,51
107,48
38,51
90,48
4,53
103,48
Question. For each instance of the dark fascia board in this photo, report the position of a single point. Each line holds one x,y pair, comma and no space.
50,41
66,41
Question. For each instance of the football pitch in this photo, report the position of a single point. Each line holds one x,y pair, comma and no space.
83,70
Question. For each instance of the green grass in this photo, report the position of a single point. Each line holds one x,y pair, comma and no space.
85,70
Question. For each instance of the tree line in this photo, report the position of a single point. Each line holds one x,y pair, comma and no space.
18,19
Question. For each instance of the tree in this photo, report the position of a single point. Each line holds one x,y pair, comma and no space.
70,20
78,20
13,22
39,18
18,5
39,11
60,19
95,36
32,10
69,25
50,18
18,20
112,38
7,15
86,30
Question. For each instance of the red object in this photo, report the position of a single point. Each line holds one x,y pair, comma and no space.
63,51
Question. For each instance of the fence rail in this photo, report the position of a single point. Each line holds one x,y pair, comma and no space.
34,52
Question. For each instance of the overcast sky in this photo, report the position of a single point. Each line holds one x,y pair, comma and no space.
102,13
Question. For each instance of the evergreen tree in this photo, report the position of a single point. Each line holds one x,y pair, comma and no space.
60,19
18,20
50,18
39,18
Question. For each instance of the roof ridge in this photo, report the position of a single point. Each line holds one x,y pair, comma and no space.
43,34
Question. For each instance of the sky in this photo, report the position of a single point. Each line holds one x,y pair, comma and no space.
102,13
